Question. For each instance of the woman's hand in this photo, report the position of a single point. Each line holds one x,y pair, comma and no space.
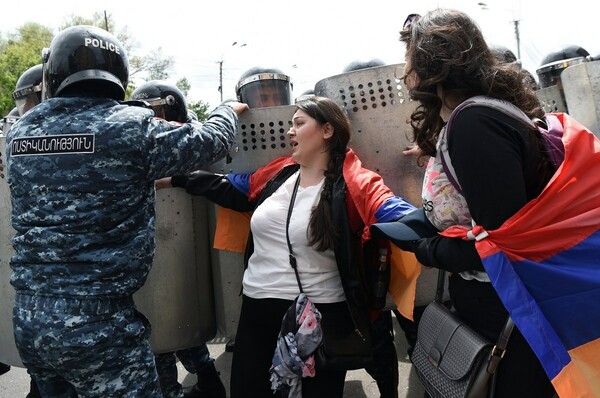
412,151
163,183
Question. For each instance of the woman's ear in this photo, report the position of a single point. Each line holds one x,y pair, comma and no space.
328,130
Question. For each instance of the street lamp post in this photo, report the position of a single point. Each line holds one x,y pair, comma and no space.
234,44
515,21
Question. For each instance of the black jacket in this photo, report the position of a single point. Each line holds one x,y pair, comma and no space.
348,249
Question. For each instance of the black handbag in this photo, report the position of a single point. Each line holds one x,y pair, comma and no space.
451,359
343,346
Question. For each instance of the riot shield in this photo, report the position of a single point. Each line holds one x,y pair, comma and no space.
378,107
581,84
261,137
8,349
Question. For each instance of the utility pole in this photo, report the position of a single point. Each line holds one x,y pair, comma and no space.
484,6
221,78
234,44
518,37
105,22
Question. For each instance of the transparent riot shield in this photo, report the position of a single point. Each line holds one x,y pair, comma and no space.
8,349
581,85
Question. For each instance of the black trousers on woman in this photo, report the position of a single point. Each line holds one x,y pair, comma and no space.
255,341
520,373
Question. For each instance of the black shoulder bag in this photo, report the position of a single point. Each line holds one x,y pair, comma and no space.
450,358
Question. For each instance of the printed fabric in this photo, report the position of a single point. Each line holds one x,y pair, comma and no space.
443,204
299,337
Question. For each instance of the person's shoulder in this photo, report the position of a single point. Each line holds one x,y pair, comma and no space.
484,120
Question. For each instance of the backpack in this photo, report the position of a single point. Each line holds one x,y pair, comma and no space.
551,131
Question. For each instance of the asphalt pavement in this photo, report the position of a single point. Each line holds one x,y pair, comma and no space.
15,383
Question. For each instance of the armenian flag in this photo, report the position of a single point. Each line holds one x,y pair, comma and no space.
544,263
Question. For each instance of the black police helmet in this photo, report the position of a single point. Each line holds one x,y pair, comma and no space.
564,52
166,99
89,57
28,91
503,53
363,64
261,87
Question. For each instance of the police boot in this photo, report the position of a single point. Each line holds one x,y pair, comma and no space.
33,390
209,384
4,368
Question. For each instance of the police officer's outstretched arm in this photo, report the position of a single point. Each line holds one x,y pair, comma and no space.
187,147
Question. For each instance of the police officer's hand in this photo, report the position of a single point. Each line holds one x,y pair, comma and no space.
238,107
163,183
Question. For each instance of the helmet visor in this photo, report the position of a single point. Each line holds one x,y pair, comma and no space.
265,90
7,123
159,106
26,98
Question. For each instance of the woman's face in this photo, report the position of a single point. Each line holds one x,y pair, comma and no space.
308,137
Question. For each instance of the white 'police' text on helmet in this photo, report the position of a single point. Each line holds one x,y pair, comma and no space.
28,90
167,101
88,57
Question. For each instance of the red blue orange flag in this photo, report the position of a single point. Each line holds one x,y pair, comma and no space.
544,263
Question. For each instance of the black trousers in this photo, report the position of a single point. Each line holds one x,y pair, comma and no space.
385,365
520,373
255,341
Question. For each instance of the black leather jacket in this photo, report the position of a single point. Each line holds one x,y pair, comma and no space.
348,250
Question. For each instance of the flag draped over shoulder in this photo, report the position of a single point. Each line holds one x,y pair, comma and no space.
544,262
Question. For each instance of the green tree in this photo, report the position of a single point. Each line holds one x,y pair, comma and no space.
199,107
19,52
152,66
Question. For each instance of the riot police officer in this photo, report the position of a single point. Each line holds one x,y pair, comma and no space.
505,55
168,102
81,169
261,87
28,91
27,94
555,62
9,120
264,87
359,64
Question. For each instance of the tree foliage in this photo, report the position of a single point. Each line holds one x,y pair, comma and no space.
200,107
19,52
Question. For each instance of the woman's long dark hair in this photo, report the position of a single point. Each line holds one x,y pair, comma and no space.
447,48
322,232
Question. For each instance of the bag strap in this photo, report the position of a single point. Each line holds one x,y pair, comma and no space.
479,100
500,347
293,262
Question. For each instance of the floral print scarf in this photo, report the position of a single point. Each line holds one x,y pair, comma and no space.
299,337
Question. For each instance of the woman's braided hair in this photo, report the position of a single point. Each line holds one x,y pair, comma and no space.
322,233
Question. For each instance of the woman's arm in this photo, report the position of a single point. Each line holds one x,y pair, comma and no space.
487,151
215,187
